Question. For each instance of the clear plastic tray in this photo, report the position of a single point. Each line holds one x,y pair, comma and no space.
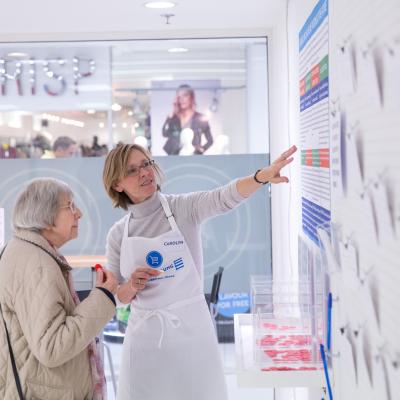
287,326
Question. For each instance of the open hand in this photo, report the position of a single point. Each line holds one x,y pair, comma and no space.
272,172
141,275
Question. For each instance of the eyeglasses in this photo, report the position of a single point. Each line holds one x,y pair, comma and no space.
135,170
71,205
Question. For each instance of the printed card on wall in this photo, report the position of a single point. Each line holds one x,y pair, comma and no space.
1,227
364,80
391,84
348,70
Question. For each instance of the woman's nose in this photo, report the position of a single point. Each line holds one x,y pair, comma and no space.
143,171
78,213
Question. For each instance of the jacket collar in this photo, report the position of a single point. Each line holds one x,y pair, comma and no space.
38,240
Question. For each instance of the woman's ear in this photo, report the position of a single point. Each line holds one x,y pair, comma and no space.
117,187
46,230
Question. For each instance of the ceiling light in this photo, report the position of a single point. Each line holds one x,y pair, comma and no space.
124,125
178,50
130,113
116,107
91,111
51,117
17,54
101,124
159,4
72,122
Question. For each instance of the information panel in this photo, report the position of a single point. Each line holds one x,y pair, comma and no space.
314,120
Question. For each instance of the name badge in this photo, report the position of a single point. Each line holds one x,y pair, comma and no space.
172,246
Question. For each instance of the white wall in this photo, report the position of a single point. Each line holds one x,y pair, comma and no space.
257,99
284,131
284,254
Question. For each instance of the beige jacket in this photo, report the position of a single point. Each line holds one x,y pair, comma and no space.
49,334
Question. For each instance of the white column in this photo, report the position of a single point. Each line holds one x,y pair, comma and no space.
257,98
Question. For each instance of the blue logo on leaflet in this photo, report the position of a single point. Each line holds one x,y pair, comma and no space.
178,263
154,259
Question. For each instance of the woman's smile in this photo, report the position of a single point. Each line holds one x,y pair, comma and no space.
147,182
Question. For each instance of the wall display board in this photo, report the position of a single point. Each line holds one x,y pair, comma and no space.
362,245
314,121
314,146
239,241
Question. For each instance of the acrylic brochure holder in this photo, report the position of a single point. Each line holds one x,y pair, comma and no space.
277,345
286,326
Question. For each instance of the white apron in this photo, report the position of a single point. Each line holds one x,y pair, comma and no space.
170,350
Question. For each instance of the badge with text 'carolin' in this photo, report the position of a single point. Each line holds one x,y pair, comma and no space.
154,259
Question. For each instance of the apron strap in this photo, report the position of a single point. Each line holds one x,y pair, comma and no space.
126,226
164,315
168,213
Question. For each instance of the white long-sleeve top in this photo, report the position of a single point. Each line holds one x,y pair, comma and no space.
190,210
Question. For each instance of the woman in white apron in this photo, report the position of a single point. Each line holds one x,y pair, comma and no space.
170,349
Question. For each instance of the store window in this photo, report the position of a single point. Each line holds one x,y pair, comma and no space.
203,96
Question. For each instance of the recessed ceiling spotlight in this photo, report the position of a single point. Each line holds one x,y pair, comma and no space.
17,54
91,111
178,50
116,107
159,4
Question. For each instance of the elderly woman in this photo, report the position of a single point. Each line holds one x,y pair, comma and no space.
170,348
43,328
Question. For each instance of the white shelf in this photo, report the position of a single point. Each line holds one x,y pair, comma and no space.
251,376
86,261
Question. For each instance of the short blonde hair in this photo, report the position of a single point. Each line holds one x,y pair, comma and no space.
115,168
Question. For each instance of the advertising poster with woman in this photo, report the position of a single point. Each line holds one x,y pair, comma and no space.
185,117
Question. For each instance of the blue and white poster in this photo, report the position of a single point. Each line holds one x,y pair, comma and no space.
314,120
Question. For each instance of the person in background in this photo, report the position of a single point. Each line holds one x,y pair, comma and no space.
63,147
184,115
8,151
52,335
40,147
170,347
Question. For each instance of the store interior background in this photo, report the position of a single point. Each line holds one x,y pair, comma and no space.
277,20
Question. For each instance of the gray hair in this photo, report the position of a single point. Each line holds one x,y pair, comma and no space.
37,206
63,142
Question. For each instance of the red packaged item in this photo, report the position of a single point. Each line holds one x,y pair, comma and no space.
97,267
